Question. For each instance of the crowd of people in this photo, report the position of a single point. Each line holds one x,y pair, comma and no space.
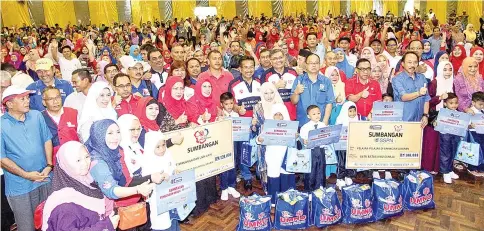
85,107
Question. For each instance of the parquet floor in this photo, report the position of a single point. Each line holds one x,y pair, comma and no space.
460,207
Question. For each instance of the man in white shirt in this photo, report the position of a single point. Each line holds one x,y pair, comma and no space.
81,81
19,78
158,74
68,63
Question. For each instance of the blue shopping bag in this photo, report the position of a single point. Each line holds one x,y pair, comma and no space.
325,208
469,151
330,154
292,210
387,198
248,155
255,213
357,204
297,160
418,191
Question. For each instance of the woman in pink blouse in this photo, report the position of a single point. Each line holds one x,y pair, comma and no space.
466,82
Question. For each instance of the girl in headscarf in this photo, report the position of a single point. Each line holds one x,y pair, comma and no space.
292,49
343,63
457,57
438,89
258,48
470,33
97,106
147,112
174,101
109,169
203,103
15,60
347,114
272,38
467,82
369,54
135,53
107,51
440,57
278,179
130,128
28,64
76,202
427,51
478,54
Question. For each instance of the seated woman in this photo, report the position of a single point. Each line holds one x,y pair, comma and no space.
76,202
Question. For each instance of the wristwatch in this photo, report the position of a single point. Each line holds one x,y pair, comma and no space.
426,115
51,166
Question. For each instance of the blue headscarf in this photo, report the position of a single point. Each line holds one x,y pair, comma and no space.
113,60
428,55
436,61
131,53
344,65
96,145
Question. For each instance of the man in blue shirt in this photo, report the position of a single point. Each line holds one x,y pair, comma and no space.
141,87
26,156
265,63
45,70
312,88
410,87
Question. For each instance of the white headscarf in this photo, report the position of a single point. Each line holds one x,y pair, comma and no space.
443,85
276,153
266,105
339,87
279,108
343,114
133,152
153,163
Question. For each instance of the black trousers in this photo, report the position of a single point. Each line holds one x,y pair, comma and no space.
7,215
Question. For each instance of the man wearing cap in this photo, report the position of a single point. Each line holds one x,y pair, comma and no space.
135,70
45,70
26,156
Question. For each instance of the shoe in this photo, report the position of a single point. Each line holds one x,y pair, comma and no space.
348,181
273,205
248,185
225,195
448,178
233,192
340,183
376,175
453,176
388,175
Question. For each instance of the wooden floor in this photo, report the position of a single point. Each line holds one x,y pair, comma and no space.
460,206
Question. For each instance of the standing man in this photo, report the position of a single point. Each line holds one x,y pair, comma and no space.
283,78
312,88
158,73
124,102
220,77
19,78
45,70
362,90
313,45
141,87
416,46
344,43
110,71
410,87
26,156
436,41
265,63
81,81
68,63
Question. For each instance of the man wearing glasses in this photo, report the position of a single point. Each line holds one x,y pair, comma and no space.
391,52
45,70
124,102
312,88
362,90
135,70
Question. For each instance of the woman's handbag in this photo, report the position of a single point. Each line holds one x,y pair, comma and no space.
132,216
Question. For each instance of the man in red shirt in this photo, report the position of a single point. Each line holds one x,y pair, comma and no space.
220,77
362,90
124,102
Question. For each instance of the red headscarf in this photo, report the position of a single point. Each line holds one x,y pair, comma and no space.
457,61
259,37
167,56
273,38
294,51
175,107
140,112
202,102
481,64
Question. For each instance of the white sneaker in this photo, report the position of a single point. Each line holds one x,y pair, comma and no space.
454,176
225,195
233,192
448,178
340,183
348,181
388,175
376,175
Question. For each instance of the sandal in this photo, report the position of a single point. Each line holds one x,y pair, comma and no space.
459,167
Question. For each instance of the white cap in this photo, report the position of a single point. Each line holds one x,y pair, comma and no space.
12,92
129,62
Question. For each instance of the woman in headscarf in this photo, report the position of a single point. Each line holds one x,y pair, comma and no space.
135,53
258,48
203,103
130,128
263,111
438,89
292,49
76,202
470,33
28,64
179,69
343,63
15,60
478,54
273,38
100,71
85,57
368,53
457,57
97,106
174,101
106,51
339,91
440,57
147,112
467,82
427,53
378,75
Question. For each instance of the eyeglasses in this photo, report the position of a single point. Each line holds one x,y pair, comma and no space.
124,86
368,69
112,71
53,99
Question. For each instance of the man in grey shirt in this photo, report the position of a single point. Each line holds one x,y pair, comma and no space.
435,40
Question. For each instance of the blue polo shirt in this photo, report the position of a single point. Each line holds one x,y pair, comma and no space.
38,86
404,84
23,143
259,72
319,93
144,91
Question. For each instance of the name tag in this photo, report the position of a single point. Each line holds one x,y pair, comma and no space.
69,124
